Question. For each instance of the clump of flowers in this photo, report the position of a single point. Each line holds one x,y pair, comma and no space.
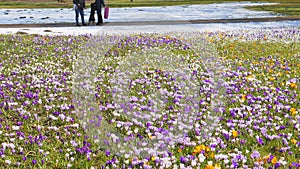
258,126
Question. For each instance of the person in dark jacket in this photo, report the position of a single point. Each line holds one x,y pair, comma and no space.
99,5
79,5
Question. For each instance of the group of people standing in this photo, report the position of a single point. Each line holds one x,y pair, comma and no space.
79,6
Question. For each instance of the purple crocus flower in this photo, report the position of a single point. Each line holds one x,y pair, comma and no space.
270,158
255,154
234,163
107,153
259,140
183,159
242,141
226,136
277,165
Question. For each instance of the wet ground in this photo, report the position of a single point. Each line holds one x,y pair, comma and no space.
207,17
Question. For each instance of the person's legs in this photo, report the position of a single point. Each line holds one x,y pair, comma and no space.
93,9
82,17
100,19
93,18
76,16
92,15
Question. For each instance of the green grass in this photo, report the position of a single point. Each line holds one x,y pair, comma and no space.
14,4
286,7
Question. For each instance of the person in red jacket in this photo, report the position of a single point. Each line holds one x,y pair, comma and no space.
99,5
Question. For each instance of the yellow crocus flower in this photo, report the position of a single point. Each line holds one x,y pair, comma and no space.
234,133
209,166
217,166
293,111
293,85
274,160
244,97
294,141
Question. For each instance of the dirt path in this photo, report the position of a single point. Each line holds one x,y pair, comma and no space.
176,22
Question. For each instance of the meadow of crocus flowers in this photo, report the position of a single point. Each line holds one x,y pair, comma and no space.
186,100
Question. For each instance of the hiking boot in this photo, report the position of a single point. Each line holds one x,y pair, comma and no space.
91,23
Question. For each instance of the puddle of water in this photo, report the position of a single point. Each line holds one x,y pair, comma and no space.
183,12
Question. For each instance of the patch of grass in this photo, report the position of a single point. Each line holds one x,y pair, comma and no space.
292,9
13,4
